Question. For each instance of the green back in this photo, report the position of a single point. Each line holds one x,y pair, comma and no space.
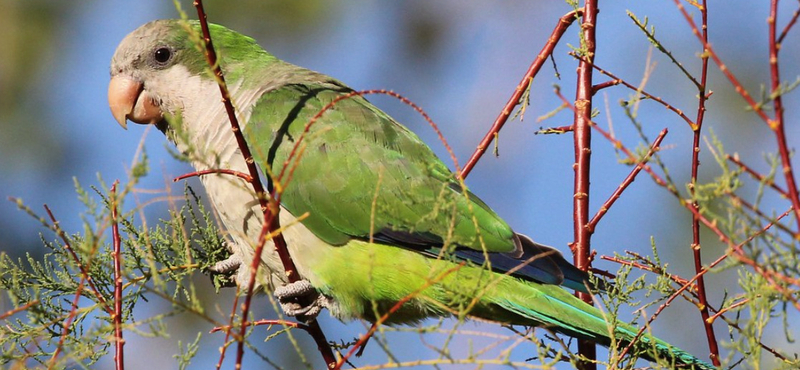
361,171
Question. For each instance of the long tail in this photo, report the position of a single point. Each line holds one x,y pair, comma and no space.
552,307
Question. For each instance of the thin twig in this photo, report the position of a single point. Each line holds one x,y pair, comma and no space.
555,130
692,281
694,206
19,309
618,81
625,183
286,323
67,323
646,267
228,331
270,209
775,124
119,342
761,178
563,23
55,227
297,149
726,309
238,174
789,26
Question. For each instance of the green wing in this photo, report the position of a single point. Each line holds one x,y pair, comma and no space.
362,173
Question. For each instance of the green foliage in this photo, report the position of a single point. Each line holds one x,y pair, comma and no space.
70,321
65,298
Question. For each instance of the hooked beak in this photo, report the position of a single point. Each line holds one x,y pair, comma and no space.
129,101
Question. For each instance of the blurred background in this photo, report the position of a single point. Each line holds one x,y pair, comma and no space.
460,61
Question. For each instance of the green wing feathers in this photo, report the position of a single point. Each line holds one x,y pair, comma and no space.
378,276
362,172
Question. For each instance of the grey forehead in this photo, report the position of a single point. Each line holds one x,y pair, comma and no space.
130,48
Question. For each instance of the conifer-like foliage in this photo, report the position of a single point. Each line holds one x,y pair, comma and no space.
124,274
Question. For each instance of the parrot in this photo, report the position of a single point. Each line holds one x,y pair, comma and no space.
371,216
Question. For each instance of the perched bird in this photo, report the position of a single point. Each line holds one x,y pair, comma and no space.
384,217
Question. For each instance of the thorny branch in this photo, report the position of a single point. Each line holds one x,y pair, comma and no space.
581,246
119,342
776,124
563,23
625,183
702,96
269,206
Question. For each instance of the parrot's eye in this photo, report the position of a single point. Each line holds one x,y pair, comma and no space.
162,55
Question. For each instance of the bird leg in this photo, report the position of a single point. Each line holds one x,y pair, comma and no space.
301,300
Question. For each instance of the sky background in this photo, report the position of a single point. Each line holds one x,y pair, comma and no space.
460,61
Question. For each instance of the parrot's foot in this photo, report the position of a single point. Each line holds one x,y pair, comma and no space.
301,300
227,266
230,268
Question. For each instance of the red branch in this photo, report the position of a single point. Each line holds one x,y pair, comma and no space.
711,337
757,176
625,183
647,266
269,208
19,309
227,329
581,246
84,279
618,81
297,149
775,124
67,323
789,26
286,323
563,23
119,358
238,174
731,251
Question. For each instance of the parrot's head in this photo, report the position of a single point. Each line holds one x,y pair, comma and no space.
160,70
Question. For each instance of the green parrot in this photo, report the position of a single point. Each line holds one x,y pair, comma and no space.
383,217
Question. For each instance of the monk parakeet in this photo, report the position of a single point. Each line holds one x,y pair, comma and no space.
384,217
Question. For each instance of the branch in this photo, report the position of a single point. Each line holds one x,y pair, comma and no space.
618,81
776,124
563,23
581,246
761,178
625,183
688,284
119,343
270,209
24,307
711,337
238,174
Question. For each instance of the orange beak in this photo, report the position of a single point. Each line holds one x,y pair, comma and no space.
128,101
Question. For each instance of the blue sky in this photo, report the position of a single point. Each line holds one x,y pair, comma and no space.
480,53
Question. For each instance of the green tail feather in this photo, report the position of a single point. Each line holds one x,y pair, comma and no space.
580,320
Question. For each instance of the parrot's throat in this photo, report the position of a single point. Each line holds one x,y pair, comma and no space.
163,126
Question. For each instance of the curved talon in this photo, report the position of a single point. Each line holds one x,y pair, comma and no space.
231,264
301,300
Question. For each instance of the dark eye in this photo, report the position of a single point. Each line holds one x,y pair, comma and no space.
162,55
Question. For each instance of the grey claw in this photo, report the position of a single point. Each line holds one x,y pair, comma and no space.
301,300
227,266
